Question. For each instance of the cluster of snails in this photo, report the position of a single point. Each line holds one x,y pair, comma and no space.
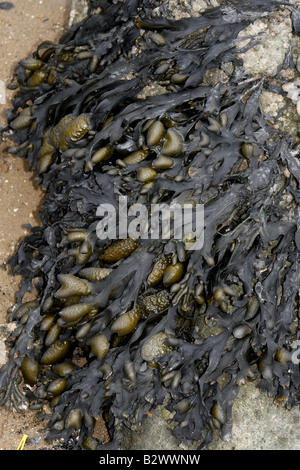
121,326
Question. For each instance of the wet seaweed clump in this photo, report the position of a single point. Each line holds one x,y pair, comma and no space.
115,328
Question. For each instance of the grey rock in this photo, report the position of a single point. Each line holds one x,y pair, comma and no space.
258,424
5,331
78,11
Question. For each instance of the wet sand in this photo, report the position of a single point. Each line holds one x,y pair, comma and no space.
22,29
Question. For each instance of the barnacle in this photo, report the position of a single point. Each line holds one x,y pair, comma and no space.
122,325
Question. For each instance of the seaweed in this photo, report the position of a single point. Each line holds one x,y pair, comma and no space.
114,330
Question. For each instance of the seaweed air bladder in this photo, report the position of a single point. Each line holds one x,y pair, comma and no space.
115,329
